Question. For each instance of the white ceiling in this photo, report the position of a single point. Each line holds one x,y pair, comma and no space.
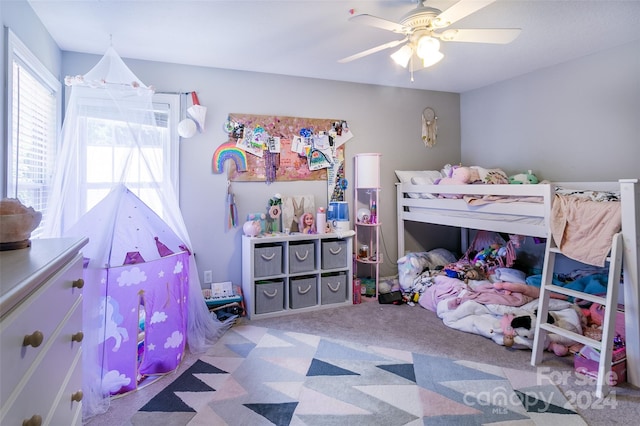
307,37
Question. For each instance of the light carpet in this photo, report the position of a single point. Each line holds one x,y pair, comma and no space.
260,376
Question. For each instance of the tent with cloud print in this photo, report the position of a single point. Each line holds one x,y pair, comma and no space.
140,278
136,292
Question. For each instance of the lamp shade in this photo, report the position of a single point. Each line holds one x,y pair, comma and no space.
432,59
402,55
427,45
367,170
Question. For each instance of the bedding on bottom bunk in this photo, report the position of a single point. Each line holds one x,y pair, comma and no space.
482,294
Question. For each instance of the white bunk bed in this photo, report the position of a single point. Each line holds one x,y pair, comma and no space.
516,214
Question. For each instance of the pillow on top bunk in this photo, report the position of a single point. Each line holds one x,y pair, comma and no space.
419,177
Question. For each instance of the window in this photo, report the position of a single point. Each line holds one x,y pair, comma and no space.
104,159
33,121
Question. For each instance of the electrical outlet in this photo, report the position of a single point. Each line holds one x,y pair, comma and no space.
208,277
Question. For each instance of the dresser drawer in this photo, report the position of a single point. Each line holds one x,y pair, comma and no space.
45,380
67,411
42,311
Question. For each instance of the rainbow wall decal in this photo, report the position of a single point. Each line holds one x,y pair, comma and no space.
229,151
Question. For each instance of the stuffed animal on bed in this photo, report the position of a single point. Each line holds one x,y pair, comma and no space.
459,175
524,178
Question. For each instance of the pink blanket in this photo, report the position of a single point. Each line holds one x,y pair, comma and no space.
583,229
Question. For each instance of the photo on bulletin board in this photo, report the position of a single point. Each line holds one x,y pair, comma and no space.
293,207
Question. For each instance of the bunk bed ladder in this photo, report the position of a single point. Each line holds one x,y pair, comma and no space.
605,346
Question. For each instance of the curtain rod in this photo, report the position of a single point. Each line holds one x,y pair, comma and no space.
176,93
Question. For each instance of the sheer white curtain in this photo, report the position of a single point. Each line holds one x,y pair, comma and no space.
111,104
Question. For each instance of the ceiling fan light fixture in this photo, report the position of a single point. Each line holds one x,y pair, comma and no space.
427,46
432,58
402,55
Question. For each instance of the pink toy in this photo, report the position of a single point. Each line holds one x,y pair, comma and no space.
460,175
507,329
251,228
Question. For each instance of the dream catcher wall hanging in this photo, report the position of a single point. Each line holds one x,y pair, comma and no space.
429,127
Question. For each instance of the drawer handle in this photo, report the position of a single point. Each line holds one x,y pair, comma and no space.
265,257
77,337
302,258
35,420
334,289
335,251
79,283
77,396
266,293
301,291
34,339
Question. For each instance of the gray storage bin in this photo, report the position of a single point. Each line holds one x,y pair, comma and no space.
302,257
303,292
334,254
267,260
269,296
333,288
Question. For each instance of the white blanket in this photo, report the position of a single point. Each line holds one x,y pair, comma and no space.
484,320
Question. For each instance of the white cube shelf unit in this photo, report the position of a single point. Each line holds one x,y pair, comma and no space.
284,274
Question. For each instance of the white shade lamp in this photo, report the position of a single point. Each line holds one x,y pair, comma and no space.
367,170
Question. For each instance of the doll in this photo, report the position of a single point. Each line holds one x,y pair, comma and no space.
307,224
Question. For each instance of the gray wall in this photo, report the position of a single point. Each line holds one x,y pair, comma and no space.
575,121
382,119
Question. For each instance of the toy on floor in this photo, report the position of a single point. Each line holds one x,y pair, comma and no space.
526,323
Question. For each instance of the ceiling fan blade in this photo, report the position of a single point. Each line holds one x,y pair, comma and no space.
372,50
460,10
374,21
496,36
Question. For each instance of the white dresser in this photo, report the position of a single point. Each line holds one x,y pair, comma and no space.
41,333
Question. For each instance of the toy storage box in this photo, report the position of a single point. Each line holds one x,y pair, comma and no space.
587,360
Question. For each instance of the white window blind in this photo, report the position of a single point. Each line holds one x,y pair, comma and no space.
33,120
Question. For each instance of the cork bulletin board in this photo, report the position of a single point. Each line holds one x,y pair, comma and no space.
266,148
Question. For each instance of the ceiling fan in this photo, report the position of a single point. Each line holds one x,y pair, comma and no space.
424,27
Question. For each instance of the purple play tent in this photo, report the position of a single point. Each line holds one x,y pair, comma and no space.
140,279
137,275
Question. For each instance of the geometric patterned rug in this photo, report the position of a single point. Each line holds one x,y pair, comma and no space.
260,376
